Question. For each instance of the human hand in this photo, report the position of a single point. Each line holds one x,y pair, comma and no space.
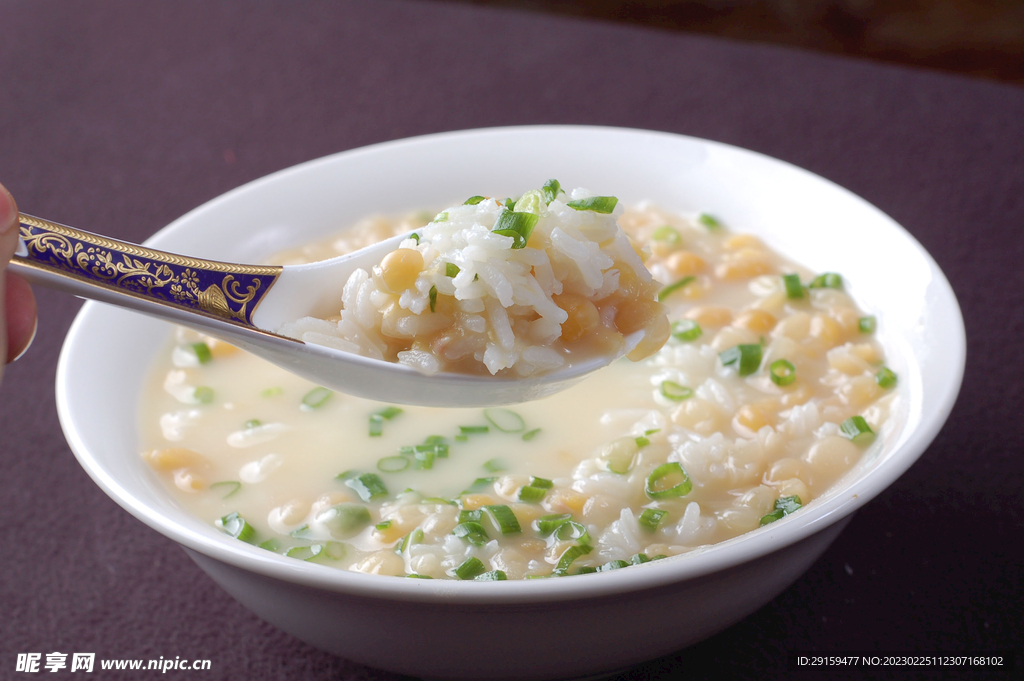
17,304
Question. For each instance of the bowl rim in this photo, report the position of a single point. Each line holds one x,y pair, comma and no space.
694,564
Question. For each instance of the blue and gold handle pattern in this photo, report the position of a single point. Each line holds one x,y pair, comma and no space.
222,290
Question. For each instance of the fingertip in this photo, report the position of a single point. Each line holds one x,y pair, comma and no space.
21,318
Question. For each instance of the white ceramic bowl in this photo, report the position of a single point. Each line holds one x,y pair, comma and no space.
553,628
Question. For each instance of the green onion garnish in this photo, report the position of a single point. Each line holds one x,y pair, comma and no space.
857,429
531,495
571,554
231,485
746,357
416,576
551,190
383,525
473,200
433,298
783,507
416,237
505,420
794,289
424,458
667,234
439,501
235,526
441,217
886,378
378,418
492,576
203,394
543,483
252,423
573,530
414,537
530,434
656,482
202,352
510,203
494,466
368,486
642,441
827,280
504,518
316,398
782,372
345,520
639,559
867,324
672,288
671,390
597,204
546,524
472,532
451,269
270,545
519,226
302,532
471,568
305,552
272,392
613,565
686,330
393,464
479,485
709,221
468,516
650,518
469,430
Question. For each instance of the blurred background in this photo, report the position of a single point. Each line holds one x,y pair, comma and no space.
982,38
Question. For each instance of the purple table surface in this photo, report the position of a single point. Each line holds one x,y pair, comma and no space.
120,116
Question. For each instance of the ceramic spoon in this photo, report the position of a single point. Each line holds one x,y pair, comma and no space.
244,304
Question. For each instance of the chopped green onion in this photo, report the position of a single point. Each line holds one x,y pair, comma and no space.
639,559
345,520
827,280
543,483
531,202
305,552
642,441
368,486
468,430
886,378
794,289
473,200
389,413
270,544
546,524
316,397
472,532
585,570
416,237
667,234
383,525
617,456
505,420
867,324
783,507
479,485
469,569
414,537
504,518
236,526
686,330
746,357
202,352
709,221
468,516
672,288
393,464
302,532
272,392
441,217
571,529
857,430
252,423
424,458
671,390
519,226
531,494
782,372
597,204
613,565
530,434
439,501
378,418
494,466
551,190
451,269
571,554
232,484
203,394
433,298
650,518
492,576
510,203
674,472
462,438
416,576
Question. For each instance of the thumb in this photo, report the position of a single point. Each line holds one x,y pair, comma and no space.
8,242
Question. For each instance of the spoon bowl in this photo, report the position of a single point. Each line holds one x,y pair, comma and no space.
245,304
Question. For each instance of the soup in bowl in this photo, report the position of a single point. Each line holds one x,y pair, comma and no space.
701,480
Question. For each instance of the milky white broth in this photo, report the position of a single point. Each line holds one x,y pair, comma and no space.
745,443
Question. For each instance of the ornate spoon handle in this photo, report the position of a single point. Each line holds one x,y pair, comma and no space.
99,267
